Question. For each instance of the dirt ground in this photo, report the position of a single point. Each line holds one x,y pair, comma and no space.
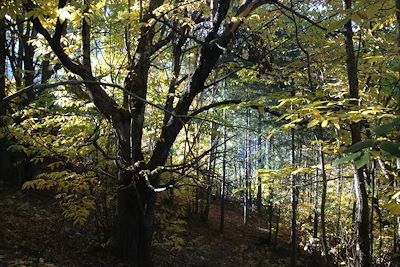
34,233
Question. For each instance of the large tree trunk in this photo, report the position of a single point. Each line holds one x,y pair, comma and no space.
134,225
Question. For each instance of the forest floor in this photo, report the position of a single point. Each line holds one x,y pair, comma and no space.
34,233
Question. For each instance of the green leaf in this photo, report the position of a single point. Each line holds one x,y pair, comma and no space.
390,147
360,162
373,9
346,159
360,145
384,129
338,24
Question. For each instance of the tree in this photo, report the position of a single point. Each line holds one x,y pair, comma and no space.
139,175
362,209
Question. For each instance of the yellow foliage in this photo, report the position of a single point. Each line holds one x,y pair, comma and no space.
74,192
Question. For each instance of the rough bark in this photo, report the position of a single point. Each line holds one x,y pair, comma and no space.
86,37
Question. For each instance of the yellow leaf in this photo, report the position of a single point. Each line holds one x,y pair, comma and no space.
337,125
395,196
324,123
374,58
312,123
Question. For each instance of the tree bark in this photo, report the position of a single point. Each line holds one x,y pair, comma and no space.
362,210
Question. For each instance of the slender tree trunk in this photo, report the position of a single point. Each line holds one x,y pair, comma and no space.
397,230
223,186
29,70
398,22
397,241
247,169
323,200
5,162
270,212
315,208
362,210
294,200
371,228
211,167
260,166
278,217
86,37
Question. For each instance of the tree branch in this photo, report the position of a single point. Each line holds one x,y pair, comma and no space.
300,15
104,103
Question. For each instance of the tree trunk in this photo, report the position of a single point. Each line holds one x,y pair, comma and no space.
397,230
397,241
362,210
278,217
398,22
315,205
260,166
135,212
247,171
5,162
294,201
270,212
223,186
371,228
323,204
211,168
